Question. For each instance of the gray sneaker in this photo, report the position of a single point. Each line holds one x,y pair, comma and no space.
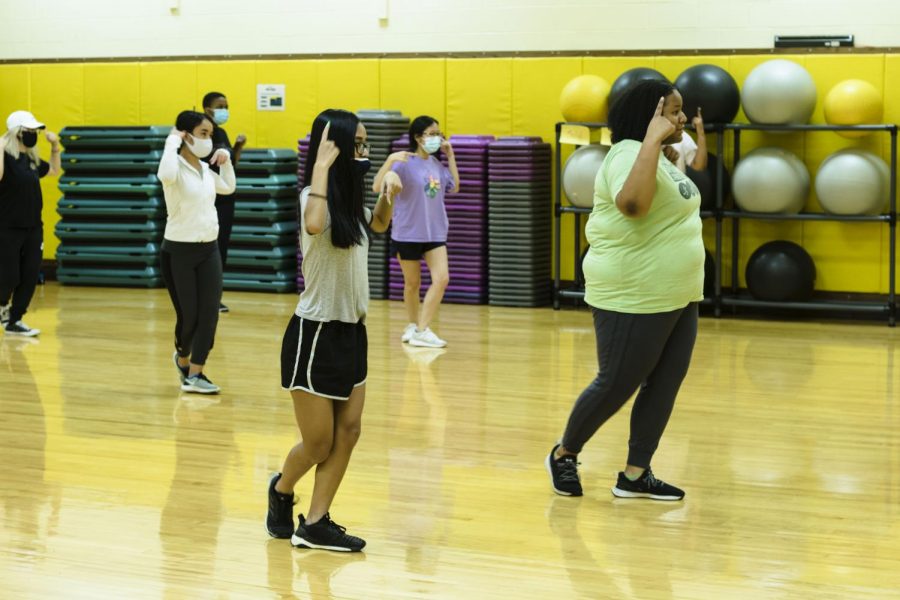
182,371
199,384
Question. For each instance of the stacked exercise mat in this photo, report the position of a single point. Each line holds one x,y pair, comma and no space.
519,222
263,251
382,128
112,208
467,236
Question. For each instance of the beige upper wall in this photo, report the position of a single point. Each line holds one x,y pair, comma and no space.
47,29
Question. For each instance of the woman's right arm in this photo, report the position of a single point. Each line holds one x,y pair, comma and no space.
636,196
168,164
314,216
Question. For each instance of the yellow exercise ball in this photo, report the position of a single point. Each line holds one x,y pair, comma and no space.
585,99
853,102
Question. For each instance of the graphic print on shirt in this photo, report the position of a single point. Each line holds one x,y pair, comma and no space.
686,187
432,185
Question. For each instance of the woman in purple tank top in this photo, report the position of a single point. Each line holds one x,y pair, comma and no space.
420,223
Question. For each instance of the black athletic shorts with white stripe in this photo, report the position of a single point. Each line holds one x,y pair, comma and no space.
327,359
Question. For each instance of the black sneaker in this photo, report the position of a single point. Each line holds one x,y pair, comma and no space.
564,474
222,308
646,486
280,518
325,534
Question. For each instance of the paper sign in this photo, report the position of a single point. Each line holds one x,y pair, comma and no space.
270,96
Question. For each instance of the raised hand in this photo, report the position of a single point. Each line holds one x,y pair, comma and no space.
51,137
660,127
219,157
240,140
446,148
391,184
697,121
328,151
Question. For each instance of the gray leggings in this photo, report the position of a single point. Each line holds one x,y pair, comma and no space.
650,351
193,275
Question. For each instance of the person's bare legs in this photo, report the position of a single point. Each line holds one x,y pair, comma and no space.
315,417
412,282
438,267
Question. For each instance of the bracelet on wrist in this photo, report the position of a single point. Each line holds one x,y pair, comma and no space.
315,195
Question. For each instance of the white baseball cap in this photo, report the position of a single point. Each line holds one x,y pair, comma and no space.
23,118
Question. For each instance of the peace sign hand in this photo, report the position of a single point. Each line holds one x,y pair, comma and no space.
697,121
328,151
660,127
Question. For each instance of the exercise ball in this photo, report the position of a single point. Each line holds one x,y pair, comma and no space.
630,77
781,271
779,92
580,172
709,276
705,181
584,99
853,102
712,89
770,180
853,182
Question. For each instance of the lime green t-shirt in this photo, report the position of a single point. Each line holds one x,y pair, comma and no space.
649,264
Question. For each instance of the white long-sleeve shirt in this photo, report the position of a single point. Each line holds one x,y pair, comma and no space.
191,195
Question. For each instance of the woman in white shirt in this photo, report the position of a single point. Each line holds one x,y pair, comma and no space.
324,351
191,264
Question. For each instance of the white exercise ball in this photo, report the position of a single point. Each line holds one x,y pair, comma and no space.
853,182
779,92
770,180
580,172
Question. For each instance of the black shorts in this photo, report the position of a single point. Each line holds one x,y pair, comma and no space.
327,359
413,250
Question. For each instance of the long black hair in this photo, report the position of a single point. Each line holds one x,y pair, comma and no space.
417,128
346,186
632,112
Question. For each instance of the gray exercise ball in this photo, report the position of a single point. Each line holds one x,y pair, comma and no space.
770,180
853,182
580,172
779,92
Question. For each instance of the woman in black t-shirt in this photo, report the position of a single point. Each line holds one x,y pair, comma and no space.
21,226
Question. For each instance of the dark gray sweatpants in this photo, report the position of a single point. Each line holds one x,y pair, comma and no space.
193,275
650,351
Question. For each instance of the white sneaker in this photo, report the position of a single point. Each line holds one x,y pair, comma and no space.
199,384
408,333
4,315
426,339
20,328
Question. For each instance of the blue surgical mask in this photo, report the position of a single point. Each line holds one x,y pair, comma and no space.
432,144
220,116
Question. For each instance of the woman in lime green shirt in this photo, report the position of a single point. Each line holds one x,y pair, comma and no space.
644,278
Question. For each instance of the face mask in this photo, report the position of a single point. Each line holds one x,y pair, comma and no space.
201,148
361,166
432,144
29,139
220,116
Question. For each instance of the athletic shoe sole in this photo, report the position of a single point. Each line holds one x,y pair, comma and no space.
32,333
194,390
421,344
299,542
620,493
550,471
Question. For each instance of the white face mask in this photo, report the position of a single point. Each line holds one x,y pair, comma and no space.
200,148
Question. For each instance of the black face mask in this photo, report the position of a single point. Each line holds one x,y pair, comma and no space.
361,166
29,139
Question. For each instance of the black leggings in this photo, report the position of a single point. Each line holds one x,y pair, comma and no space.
21,252
650,351
193,275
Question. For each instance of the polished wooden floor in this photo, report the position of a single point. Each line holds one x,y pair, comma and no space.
113,484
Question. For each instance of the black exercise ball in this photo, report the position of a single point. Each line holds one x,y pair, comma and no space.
631,77
781,271
711,88
706,182
709,276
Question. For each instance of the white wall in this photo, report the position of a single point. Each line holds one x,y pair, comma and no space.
48,29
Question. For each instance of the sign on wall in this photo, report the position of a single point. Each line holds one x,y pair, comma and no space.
270,96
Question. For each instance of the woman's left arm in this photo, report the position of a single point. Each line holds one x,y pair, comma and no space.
451,163
55,152
225,180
